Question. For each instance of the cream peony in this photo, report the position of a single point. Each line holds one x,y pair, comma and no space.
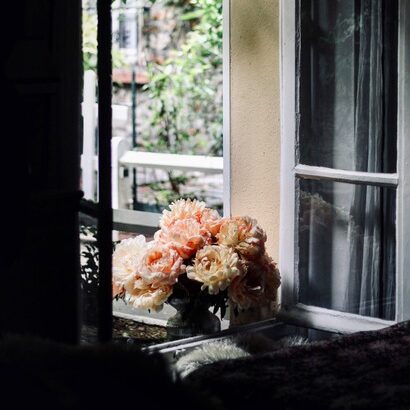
258,285
244,235
146,297
125,261
161,265
182,209
215,267
186,236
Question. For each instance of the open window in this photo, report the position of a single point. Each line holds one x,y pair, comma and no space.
344,189
344,192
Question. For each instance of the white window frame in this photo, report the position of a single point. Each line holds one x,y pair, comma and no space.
312,316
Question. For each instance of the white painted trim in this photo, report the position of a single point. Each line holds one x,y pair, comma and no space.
141,319
136,218
226,64
156,160
339,175
288,132
330,320
403,165
119,146
89,120
311,316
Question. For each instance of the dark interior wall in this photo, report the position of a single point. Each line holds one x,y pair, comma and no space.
40,83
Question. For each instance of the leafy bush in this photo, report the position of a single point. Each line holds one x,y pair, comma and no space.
89,26
186,95
186,91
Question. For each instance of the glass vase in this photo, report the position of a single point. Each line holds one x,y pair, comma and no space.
192,318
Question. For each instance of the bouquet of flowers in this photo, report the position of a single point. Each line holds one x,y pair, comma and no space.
200,255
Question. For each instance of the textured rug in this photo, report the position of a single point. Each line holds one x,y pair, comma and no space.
366,370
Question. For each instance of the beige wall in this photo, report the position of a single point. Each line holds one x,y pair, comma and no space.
255,110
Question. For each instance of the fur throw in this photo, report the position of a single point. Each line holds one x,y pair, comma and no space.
232,348
366,370
211,352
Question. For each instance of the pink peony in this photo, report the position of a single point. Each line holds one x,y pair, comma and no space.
272,277
161,265
182,209
185,236
191,210
259,284
145,272
211,220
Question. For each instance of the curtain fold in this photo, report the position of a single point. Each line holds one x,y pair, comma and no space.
370,289
346,245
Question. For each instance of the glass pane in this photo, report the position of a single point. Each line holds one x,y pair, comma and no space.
348,84
346,247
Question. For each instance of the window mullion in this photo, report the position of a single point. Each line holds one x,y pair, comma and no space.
339,175
288,133
403,200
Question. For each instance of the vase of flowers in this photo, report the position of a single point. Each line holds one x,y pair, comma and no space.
197,261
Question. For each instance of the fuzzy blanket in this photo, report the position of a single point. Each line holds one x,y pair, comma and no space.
367,370
362,371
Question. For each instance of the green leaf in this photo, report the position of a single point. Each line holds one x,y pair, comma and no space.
192,15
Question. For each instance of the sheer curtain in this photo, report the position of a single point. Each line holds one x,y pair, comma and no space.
371,284
346,234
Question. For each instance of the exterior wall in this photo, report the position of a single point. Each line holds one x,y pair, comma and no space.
255,111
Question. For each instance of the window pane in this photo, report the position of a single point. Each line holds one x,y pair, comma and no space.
346,247
348,84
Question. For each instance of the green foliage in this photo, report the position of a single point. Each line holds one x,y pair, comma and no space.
90,45
186,91
166,192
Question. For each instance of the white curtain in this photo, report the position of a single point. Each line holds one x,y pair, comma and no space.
346,235
371,283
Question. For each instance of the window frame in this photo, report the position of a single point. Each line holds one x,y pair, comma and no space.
291,309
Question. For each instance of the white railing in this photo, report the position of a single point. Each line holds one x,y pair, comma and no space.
123,157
